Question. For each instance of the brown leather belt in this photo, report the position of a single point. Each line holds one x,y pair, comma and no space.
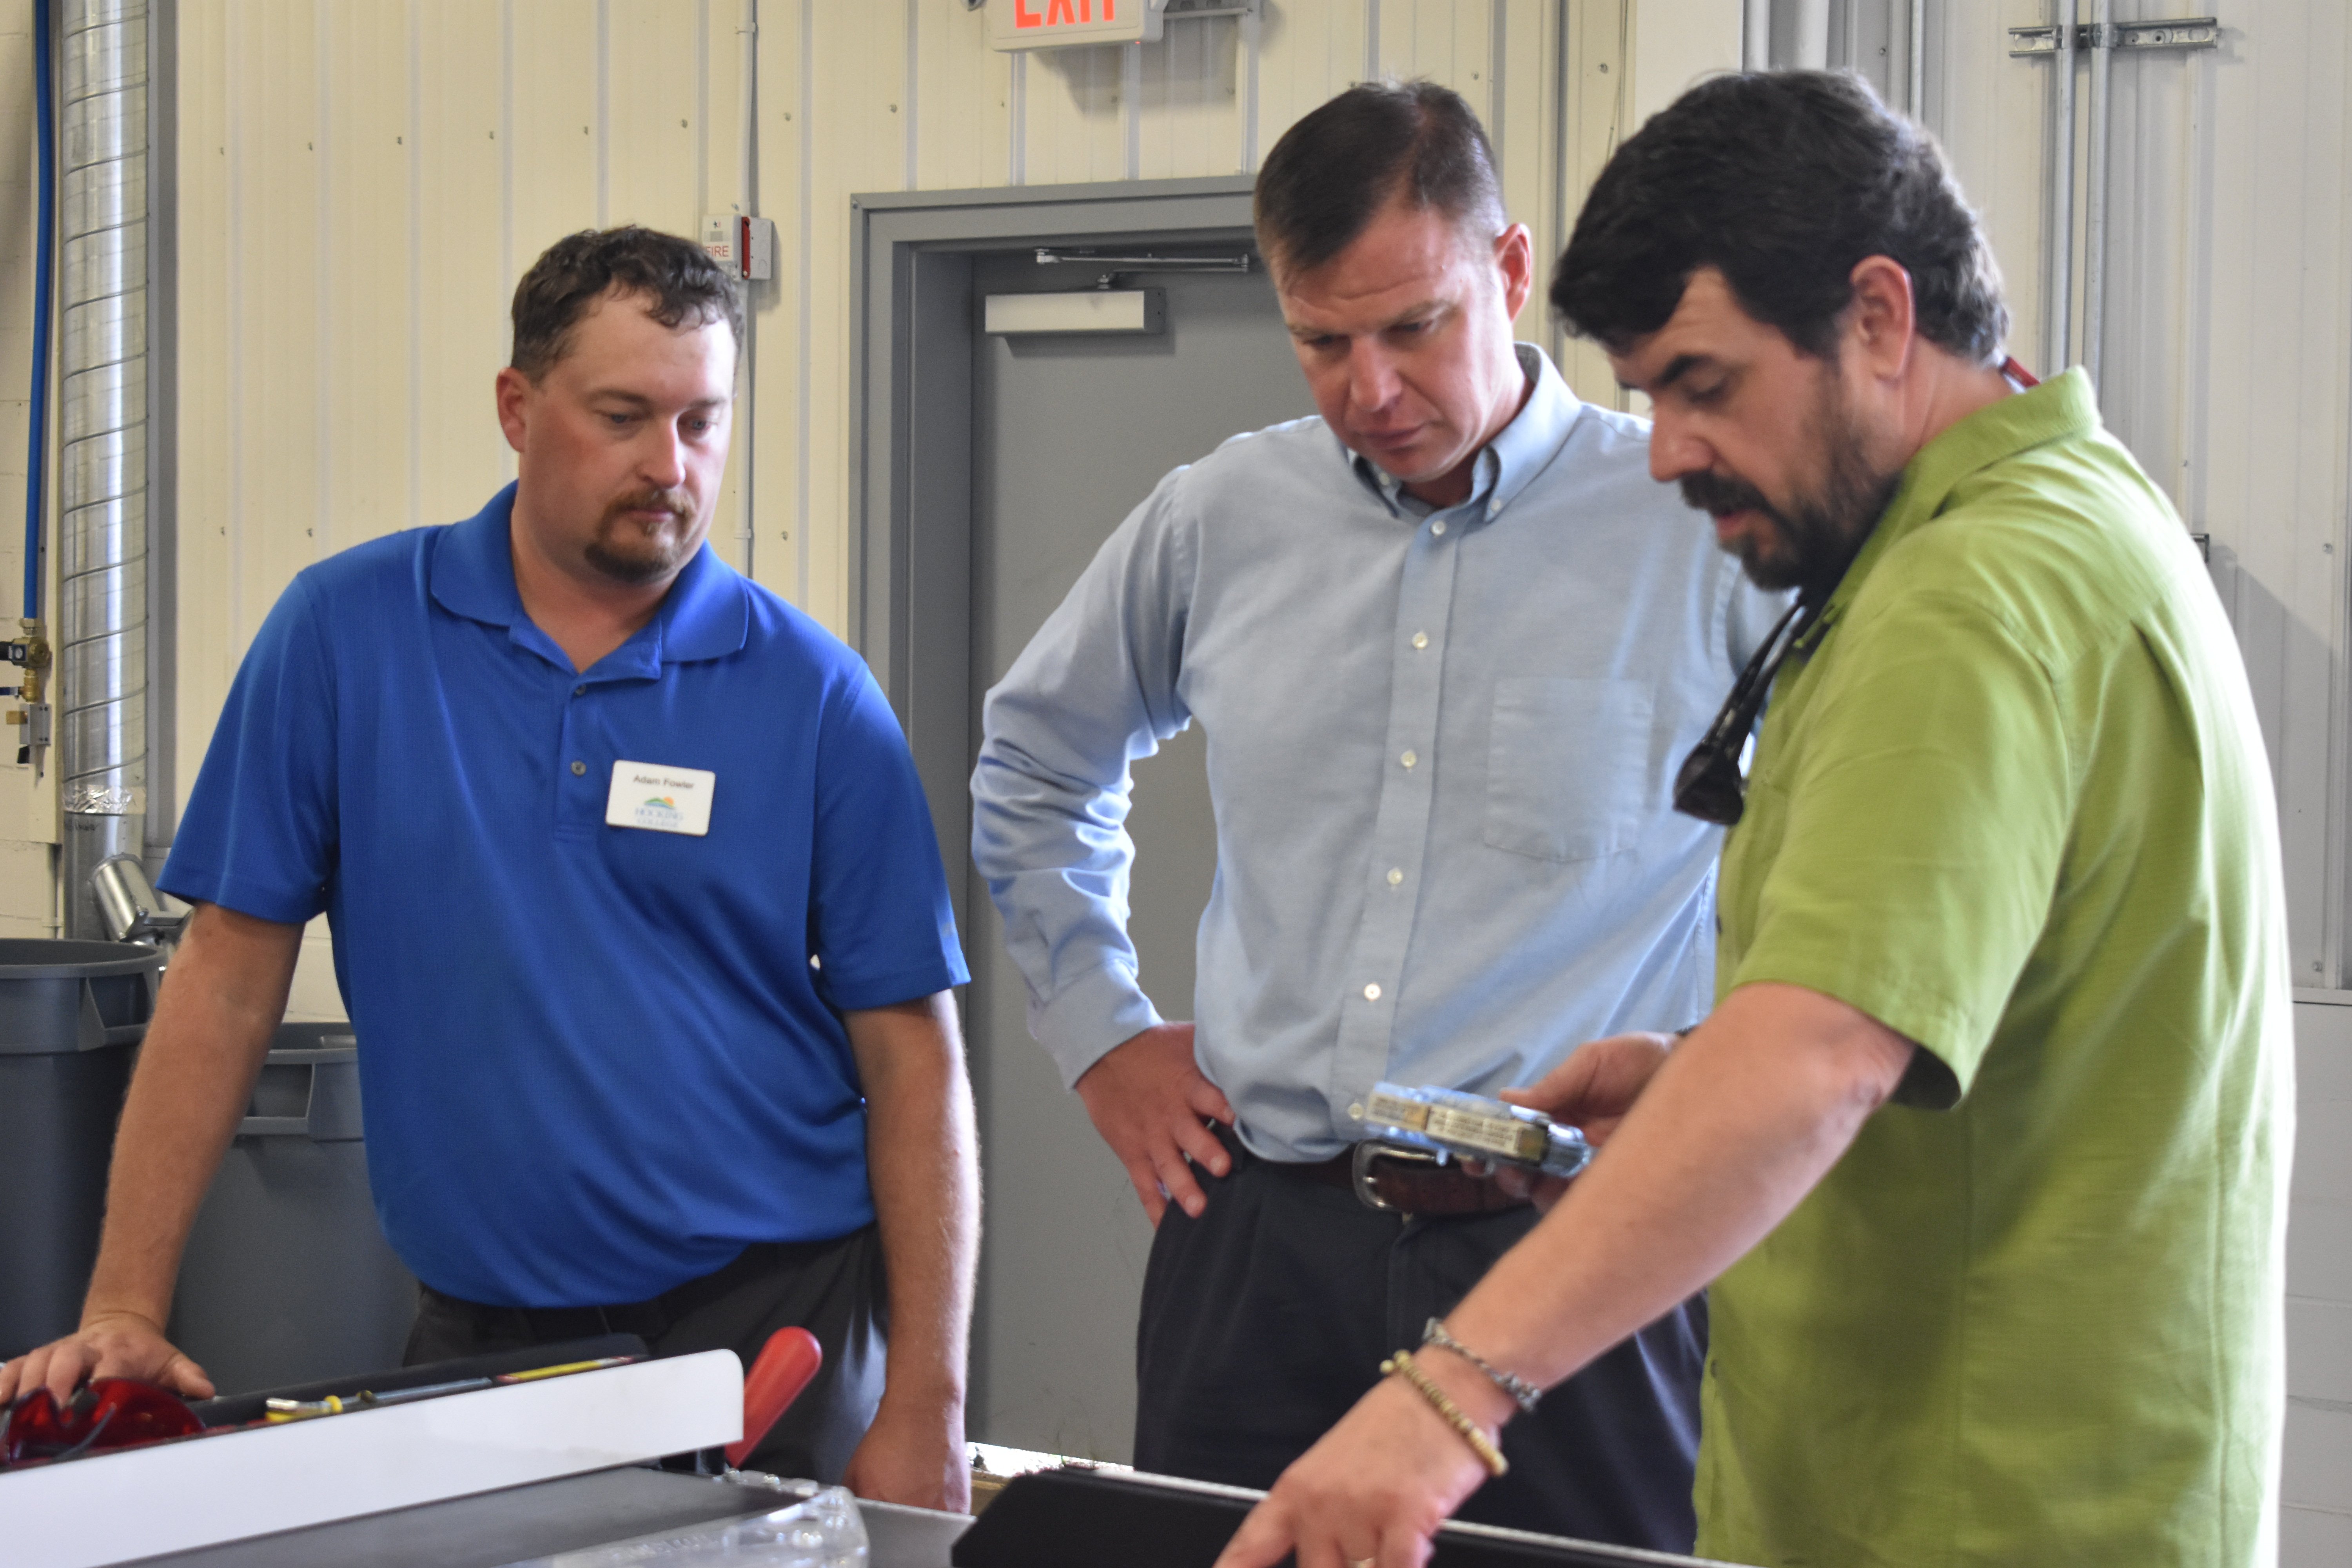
1399,1182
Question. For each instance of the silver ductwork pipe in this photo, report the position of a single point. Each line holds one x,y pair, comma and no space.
101,620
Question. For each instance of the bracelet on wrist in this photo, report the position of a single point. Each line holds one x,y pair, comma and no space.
1403,1365
1523,1393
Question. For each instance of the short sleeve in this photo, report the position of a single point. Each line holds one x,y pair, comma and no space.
880,924
261,833
1926,807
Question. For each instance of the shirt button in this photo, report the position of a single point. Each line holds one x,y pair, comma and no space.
1410,758
1355,1111
1421,639
1438,527
1372,992
579,768
579,691
1396,877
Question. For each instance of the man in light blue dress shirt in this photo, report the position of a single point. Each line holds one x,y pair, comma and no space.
1448,642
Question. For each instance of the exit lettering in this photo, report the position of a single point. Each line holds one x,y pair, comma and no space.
1058,23
1058,11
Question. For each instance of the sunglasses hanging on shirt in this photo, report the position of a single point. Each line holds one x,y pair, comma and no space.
1710,785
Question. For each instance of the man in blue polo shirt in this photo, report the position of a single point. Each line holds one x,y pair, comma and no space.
637,911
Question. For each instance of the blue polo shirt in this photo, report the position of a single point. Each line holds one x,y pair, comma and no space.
597,1061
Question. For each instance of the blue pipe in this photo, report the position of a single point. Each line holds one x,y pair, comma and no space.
44,265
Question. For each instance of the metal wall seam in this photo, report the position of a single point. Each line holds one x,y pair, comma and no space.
2095,225
2058,308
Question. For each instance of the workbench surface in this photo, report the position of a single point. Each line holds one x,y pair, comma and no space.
604,1506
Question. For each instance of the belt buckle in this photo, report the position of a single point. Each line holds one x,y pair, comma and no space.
1361,1169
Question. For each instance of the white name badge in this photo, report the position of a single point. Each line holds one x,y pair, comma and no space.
667,800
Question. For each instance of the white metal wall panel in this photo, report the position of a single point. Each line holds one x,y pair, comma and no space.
962,94
1305,54
855,78
2316,1487
2272,414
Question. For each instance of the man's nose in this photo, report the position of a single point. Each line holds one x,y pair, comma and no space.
1675,451
662,458
1372,379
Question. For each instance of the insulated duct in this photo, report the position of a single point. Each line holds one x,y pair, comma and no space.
101,620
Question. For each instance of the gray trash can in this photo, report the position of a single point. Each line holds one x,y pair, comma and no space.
71,1016
287,1277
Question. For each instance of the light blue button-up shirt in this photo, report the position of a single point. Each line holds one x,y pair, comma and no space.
1440,748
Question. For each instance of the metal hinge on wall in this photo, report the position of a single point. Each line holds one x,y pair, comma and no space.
2181,33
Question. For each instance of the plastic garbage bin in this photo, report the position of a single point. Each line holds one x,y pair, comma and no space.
287,1277
71,1016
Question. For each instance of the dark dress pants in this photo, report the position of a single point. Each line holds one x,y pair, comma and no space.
833,1289
1266,1318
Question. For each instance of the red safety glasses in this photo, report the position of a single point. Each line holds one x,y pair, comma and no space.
108,1413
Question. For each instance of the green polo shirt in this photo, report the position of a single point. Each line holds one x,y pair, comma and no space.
2012,801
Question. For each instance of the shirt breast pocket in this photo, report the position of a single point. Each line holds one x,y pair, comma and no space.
1567,766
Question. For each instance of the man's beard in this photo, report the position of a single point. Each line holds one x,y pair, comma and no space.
625,551
1820,533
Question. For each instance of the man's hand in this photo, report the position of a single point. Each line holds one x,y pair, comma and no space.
1591,1091
1374,1490
913,1456
112,1344
1149,1101
1598,1083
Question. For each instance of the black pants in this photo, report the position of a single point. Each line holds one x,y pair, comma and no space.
1267,1318
833,1289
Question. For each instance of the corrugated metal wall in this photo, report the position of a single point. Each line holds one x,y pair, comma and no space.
360,185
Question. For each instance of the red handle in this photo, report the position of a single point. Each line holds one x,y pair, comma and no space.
787,1363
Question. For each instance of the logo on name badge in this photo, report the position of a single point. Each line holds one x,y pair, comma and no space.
660,799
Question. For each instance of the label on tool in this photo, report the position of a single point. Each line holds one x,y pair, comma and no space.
664,799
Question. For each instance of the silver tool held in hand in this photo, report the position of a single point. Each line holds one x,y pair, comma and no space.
1447,1122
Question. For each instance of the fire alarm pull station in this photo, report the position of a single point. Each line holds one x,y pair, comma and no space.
743,245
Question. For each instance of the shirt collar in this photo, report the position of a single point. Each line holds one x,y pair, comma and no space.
707,614
1507,463
2059,409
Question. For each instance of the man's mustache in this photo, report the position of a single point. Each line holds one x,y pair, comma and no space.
674,502
1716,494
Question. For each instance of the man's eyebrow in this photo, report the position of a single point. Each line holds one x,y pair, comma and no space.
639,400
1676,368
1425,308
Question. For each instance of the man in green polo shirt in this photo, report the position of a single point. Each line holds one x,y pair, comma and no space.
1985,1145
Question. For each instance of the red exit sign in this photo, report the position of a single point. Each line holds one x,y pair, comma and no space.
1051,24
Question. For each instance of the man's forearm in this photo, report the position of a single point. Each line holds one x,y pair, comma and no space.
221,1002
922,1160
1749,1113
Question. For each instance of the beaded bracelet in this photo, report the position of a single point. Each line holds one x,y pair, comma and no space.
1402,1364
1523,1392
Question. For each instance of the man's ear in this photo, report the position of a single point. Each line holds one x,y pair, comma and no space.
513,395
1881,323
1515,258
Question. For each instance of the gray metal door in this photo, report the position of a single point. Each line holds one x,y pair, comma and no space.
1069,433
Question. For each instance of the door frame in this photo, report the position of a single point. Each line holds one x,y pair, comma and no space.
910,433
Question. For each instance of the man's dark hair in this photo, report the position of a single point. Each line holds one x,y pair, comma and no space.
1782,181
675,278
1335,169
